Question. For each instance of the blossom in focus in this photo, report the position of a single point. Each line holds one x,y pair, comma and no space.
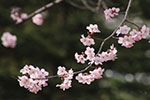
97,73
131,37
66,77
93,28
33,78
80,58
86,78
123,30
86,41
110,54
90,53
111,12
8,40
126,41
145,31
66,84
38,19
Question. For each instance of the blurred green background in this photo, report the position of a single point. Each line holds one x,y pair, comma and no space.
55,43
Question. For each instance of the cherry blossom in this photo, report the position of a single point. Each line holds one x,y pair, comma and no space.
131,37
93,28
8,40
126,41
86,78
80,58
65,85
110,54
90,53
87,41
66,77
123,30
17,16
38,19
111,12
33,78
145,31
97,73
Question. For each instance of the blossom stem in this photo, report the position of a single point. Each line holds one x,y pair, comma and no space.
41,10
123,20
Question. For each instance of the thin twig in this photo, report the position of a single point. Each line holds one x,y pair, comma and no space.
41,9
101,46
128,21
99,3
88,6
123,20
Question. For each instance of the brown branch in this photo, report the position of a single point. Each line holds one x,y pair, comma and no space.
101,46
123,20
128,21
88,6
99,3
41,9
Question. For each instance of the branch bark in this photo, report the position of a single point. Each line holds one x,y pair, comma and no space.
41,9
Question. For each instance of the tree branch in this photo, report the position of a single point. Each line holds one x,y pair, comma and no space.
101,46
128,21
88,6
41,9
123,20
99,3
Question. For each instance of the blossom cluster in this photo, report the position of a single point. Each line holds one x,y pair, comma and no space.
66,77
97,59
111,12
17,16
33,78
88,41
130,37
89,54
86,78
8,40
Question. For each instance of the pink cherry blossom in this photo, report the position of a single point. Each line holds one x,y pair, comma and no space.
97,73
80,58
90,53
86,41
88,78
123,30
110,54
38,19
93,28
145,31
136,35
66,76
17,16
126,41
65,85
33,78
24,15
61,71
8,40
111,12
84,78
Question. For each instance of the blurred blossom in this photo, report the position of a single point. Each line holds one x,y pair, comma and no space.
38,19
129,77
8,40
